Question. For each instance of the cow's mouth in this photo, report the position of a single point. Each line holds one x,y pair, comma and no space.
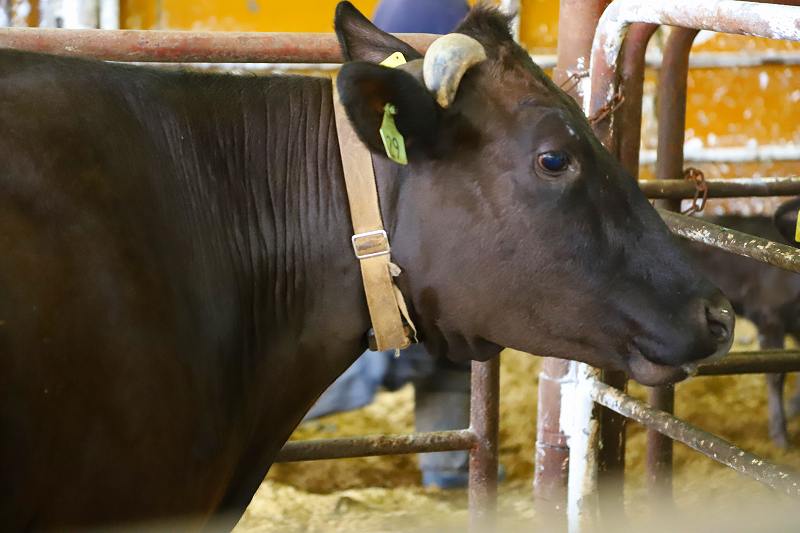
652,374
649,373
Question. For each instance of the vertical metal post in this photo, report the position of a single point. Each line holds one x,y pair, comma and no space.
5,12
484,419
659,450
109,14
576,25
581,423
513,8
552,454
69,14
632,84
624,144
671,110
669,165
19,11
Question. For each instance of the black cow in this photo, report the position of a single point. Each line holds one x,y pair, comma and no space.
177,284
768,296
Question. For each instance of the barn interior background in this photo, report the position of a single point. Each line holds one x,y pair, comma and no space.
743,112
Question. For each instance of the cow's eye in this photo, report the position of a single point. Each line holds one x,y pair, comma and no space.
553,162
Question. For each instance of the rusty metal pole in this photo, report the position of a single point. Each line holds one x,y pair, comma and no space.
187,46
632,84
623,144
773,475
576,24
671,114
484,419
723,188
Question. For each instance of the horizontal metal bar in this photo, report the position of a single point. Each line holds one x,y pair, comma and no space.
722,188
710,445
764,250
703,60
755,362
342,448
186,46
548,61
754,153
244,68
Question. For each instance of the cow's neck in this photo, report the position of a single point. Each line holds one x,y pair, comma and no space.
310,316
278,305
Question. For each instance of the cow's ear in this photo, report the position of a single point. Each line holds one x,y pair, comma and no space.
361,40
365,89
785,219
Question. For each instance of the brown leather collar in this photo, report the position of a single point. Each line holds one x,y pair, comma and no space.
387,307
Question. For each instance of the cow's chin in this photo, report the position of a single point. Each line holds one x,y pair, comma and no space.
649,373
646,372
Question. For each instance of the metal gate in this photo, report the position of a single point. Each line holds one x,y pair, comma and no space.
616,76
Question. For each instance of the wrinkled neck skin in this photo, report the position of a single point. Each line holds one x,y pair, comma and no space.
314,309
280,286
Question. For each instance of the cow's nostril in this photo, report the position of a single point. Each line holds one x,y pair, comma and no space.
718,331
720,319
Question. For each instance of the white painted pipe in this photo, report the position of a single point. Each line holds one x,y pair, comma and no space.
5,12
20,10
752,153
581,426
512,7
69,14
109,14
726,16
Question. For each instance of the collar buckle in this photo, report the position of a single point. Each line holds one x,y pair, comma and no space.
371,244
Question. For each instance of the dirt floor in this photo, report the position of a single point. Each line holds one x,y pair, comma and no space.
383,493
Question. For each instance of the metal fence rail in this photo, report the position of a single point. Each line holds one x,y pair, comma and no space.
758,248
755,362
710,445
615,79
186,46
676,189
343,448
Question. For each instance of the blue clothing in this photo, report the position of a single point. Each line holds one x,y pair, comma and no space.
419,16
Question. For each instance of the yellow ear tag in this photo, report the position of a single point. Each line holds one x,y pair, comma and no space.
394,60
797,228
393,140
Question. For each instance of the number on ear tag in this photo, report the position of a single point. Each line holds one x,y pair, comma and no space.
394,60
393,140
797,228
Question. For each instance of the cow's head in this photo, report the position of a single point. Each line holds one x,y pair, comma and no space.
514,226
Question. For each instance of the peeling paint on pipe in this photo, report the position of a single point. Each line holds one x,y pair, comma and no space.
319,449
727,16
581,425
758,362
710,445
766,251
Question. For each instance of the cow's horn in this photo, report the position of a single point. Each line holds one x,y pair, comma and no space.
446,61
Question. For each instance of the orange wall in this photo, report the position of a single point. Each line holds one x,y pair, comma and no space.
538,25
242,15
726,107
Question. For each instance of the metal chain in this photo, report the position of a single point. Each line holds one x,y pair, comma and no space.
700,188
572,81
608,108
